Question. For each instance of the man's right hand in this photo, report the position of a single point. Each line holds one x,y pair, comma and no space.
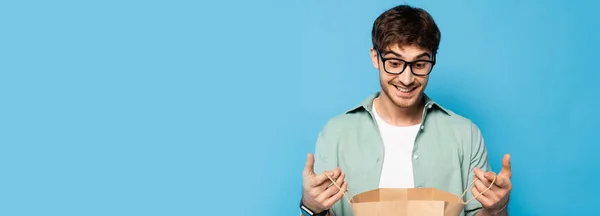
318,192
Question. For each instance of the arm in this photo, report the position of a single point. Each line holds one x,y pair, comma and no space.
502,212
326,156
478,159
495,201
316,197
329,213
325,152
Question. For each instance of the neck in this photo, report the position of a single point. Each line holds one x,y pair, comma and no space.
396,115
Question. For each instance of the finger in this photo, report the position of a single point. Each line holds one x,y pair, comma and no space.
337,172
484,191
506,169
321,179
328,183
479,175
325,178
485,177
485,201
490,176
309,166
333,189
329,202
500,181
503,182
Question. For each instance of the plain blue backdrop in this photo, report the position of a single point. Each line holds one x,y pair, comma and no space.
209,107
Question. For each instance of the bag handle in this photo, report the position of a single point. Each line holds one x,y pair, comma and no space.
351,200
340,188
475,197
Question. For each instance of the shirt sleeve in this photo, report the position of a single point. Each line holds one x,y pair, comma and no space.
479,159
326,157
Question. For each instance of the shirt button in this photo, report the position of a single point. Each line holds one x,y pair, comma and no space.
416,157
422,127
429,107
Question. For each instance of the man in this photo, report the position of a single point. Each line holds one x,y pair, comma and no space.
399,137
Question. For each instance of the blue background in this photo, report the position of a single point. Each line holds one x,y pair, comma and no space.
199,107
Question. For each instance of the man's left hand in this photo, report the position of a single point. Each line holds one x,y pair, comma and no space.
496,198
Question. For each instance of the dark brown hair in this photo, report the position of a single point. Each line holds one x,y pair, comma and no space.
405,25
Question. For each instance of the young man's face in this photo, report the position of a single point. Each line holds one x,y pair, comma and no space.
404,89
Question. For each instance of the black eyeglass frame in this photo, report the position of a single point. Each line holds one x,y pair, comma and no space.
406,63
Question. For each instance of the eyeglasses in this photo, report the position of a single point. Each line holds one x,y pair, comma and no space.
397,66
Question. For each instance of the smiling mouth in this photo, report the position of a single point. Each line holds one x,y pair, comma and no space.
405,89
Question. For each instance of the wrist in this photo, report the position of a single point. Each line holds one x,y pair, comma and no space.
312,211
502,210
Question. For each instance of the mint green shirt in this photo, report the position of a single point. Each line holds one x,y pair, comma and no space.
446,150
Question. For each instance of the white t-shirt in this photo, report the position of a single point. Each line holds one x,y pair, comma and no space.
398,143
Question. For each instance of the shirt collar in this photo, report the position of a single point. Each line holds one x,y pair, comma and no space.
367,104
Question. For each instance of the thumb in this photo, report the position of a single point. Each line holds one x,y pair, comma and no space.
309,169
506,170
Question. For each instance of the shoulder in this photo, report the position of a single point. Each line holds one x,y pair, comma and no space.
336,129
462,128
456,120
342,122
350,119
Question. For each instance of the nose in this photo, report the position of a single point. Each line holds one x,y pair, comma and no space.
406,77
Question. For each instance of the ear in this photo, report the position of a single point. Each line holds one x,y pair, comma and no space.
374,58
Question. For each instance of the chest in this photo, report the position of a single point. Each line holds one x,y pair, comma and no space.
436,155
398,140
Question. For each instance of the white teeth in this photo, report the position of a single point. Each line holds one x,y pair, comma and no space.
405,90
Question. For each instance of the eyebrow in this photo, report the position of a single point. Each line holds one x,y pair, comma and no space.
400,56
